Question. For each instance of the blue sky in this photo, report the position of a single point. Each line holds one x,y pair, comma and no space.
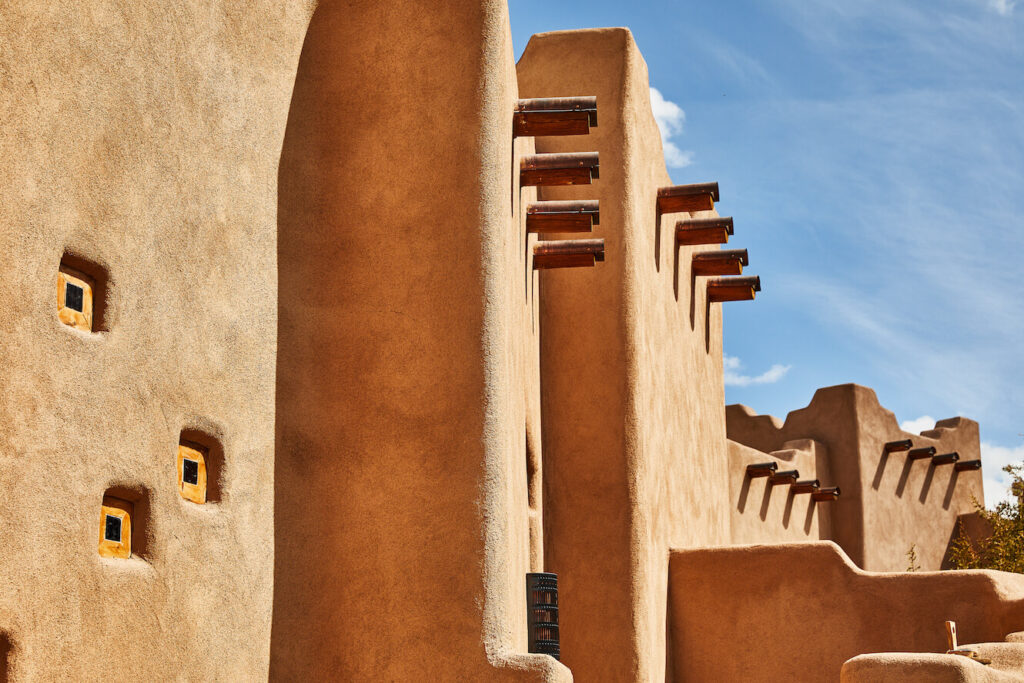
872,154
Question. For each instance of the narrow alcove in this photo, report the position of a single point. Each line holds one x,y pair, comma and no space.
198,467
123,523
5,657
81,294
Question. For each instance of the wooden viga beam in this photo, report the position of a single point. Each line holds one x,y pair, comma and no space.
688,198
703,231
946,459
575,216
567,253
554,116
806,486
724,262
921,453
897,446
967,466
575,168
762,469
733,289
785,477
829,493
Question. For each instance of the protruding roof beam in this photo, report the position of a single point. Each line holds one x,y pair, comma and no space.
968,465
723,262
554,116
897,446
826,495
574,216
703,231
574,168
762,469
733,288
946,459
688,198
921,453
806,486
567,253
785,477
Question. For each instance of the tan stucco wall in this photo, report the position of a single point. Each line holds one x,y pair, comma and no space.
802,610
634,433
888,503
143,137
772,514
405,356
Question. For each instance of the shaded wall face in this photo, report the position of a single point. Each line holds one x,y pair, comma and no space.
143,140
634,435
407,356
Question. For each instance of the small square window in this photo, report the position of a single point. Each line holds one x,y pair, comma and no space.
113,529
116,528
192,472
74,299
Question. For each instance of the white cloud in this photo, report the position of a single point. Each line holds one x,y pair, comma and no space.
993,459
733,378
670,118
921,424
1002,7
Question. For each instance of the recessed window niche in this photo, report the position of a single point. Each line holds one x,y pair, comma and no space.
81,293
123,515
198,467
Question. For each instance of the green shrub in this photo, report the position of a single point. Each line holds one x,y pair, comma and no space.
1003,548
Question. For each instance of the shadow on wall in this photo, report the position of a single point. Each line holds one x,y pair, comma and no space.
5,656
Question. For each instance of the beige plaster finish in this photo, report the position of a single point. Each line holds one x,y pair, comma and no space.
631,369
144,138
405,354
889,503
904,667
773,514
806,608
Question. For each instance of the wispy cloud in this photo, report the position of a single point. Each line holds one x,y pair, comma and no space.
733,378
670,118
921,424
1002,7
994,458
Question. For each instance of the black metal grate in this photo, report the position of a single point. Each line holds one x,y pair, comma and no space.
112,529
542,613
73,296
190,471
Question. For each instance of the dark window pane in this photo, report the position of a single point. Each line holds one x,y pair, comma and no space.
73,297
112,532
190,472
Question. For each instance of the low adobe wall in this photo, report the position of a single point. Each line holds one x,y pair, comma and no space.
905,667
804,609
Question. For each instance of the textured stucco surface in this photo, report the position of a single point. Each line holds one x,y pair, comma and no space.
889,503
404,362
144,138
905,667
772,514
634,432
807,609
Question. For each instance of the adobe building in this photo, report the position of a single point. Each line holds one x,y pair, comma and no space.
328,330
